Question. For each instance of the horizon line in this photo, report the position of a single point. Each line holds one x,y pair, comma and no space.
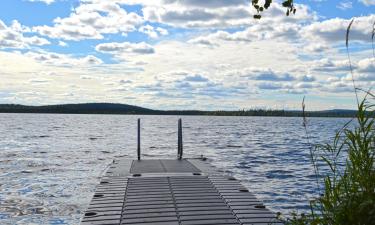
201,110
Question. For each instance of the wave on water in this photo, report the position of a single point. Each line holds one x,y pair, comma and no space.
51,164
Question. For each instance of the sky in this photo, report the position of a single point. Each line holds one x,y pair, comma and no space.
185,54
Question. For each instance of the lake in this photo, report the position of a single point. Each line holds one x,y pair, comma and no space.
50,164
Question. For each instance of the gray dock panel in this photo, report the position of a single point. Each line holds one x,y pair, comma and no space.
163,166
172,192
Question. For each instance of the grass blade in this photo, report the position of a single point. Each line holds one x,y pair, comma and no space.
372,39
348,32
350,61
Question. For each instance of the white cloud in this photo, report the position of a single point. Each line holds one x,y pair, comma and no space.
162,31
314,38
196,78
316,48
246,36
149,30
257,32
329,65
368,2
265,74
207,4
38,81
220,14
334,30
34,40
125,82
91,60
62,44
92,21
85,77
344,5
271,86
367,65
56,59
273,26
13,36
45,1
204,40
125,48
153,32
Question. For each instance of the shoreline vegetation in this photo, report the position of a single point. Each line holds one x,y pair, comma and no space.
124,109
348,193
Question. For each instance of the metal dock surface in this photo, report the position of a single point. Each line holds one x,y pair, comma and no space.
173,192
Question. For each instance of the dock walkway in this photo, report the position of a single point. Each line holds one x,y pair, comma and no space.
173,192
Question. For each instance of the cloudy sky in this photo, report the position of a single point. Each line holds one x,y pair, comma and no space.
184,54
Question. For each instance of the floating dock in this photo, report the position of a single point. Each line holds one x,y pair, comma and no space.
172,192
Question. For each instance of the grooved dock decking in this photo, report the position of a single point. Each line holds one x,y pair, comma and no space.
173,192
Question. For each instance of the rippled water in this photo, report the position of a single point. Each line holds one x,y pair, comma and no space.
50,164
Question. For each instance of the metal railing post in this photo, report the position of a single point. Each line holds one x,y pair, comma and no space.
139,140
179,141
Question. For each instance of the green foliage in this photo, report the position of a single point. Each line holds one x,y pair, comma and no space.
298,219
348,197
267,3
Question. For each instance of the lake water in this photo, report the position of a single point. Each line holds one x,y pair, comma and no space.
50,164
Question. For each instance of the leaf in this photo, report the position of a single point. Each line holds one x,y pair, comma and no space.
287,4
257,17
287,12
267,4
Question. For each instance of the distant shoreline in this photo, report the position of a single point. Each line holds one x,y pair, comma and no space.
123,109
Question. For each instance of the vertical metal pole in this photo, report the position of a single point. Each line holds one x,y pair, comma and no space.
139,140
179,142
181,145
178,139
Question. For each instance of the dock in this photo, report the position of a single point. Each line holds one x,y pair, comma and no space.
173,192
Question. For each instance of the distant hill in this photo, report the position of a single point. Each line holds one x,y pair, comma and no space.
342,112
86,108
111,108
